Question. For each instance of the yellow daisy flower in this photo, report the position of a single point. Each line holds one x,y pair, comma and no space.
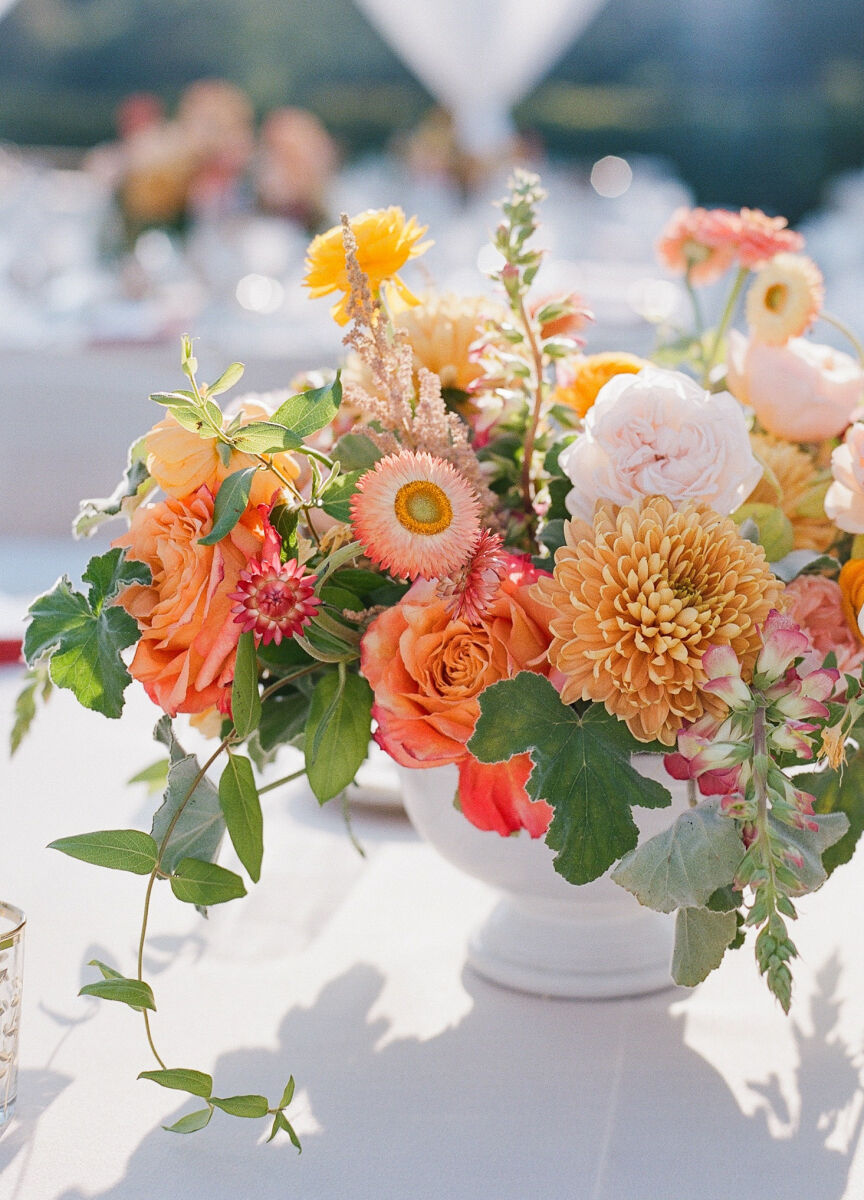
385,242
784,299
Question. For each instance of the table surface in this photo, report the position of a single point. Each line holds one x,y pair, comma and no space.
416,1078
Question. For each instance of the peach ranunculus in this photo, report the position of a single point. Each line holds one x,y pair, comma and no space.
803,391
844,500
181,462
659,433
427,672
815,604
185,658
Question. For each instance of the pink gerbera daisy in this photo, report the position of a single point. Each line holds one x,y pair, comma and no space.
697,243
275,600
468,591
761,237
415,515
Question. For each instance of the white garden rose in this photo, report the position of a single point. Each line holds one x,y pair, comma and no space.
659,433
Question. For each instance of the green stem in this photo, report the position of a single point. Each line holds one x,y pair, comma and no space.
720,331
697,307
268,787
760,785
847,333
531,435
280,683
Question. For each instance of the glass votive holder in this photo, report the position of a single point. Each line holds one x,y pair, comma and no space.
11,976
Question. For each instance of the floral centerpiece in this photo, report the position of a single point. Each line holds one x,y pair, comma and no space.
480,546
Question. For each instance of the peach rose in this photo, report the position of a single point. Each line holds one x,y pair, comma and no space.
844,500
427,672
181,462
816,605
185,658
802,391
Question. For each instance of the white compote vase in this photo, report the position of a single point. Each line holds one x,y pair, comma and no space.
547,936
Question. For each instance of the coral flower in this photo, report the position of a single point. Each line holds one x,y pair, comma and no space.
385,242
580,379
274,599
851,581
784,299
468,592
760,238
816,604
415,515
640,597
698,244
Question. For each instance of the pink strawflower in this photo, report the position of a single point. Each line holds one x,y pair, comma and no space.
761,237
415,515
698,243
468,591
275,600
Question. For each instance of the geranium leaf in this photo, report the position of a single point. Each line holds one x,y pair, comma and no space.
581,768
241,809
245,698
337,733
119,849
197,882
83,636
310,411
200,827
686,863
701,939
230,504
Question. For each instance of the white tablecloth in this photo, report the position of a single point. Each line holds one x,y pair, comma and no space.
416,1079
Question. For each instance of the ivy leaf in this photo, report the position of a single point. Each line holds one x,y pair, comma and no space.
265,437
230,504
310,411
118,849
835,792
182,1079
200,827
241,809
192,1122
198,882
134,992
245,698
685,864
581,768
810,845
337,733
84,635
336,499
701,939
242,1106
132,489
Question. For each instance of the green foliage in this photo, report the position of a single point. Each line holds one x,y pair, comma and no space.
774,950
242,1106
774,529
702,937
310,411
229,377
241,809
197,882
338,728
119,849
685,864
38,685
356,452
265,437
154,777
581,768
230,504
804,562
283,718
182,1079
199,829
134,992
245,698
839,792
192,1122
132,489
83,636
810,845
336,496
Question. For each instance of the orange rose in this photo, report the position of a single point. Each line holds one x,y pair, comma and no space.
851,580
185,658
427,672
181,462
580,379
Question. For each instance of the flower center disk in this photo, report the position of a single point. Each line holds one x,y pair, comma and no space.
422,507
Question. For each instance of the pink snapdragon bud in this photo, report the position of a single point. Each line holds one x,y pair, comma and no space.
790,736
782,643
721,665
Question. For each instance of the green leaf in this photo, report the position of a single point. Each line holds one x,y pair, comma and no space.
581,768
265,437
242,1106
107,972
775,531
231,501
336,499
198,882
337,733
552,534
356,452
800,562
119,849
281,1122
701,939
185,410
226,380
283,718
192,1122
310,411
132,489
835,792
685,864
83,636
38,680
245,698
200,827
288,1094
241,809
810,845
134,992
182,1079
155,776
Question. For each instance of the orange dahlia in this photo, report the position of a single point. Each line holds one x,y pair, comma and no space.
802,489
640,597
385,242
